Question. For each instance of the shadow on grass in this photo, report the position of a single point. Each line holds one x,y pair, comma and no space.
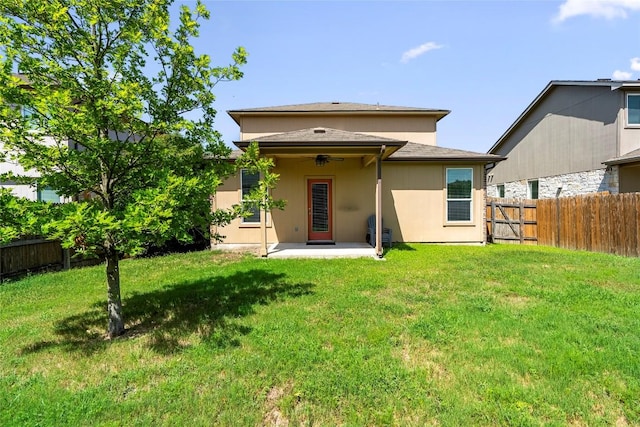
209,308
401,247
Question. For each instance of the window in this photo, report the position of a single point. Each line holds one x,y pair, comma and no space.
532,189
46,194
633,109
249,181
500,188
459,194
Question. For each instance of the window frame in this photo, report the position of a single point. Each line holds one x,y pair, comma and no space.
628,122
500,189
469,199
243,220
40,190
530,189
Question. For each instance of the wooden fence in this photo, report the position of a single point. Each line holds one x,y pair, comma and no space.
597,222
24,256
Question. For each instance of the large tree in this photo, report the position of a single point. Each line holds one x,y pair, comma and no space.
111,89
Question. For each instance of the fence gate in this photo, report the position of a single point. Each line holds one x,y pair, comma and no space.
512,221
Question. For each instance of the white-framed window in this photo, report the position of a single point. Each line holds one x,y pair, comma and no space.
249,181
633,109
459,194
532,189
500,190
46,194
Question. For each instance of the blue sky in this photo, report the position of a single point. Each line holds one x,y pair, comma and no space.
483,60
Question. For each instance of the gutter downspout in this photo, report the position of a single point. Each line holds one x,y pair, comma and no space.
379,249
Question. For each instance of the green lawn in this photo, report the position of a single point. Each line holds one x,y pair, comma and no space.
434,335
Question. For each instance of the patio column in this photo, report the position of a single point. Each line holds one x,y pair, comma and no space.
263,229
379,248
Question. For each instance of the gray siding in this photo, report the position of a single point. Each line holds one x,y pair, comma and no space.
573,129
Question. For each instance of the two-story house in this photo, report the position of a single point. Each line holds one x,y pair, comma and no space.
339,163
576,137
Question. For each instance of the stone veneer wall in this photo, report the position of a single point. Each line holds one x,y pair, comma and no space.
572,184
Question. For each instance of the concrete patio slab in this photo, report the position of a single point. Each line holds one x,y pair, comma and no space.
339,250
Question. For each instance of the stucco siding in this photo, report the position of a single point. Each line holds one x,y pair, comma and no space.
413,203
574,129
416,129
630,179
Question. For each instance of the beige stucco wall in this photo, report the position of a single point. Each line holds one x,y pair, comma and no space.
414,128
413,203
629,176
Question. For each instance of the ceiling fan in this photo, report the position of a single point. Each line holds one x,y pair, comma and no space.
323,159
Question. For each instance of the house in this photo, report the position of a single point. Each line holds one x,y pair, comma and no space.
576,137
9,166
339,163
31,192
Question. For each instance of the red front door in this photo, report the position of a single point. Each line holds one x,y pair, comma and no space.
319,209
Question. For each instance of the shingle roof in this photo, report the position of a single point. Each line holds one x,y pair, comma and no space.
631,157
413,151
337,106
325,135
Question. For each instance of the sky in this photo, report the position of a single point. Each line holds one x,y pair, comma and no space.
485,61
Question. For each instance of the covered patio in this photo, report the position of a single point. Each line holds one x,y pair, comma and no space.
338,250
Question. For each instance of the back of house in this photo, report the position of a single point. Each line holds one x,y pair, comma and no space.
340,163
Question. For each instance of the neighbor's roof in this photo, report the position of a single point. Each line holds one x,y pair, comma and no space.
324,136
422,152
613,84
631,157
336,107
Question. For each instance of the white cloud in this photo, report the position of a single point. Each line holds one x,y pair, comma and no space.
609,9
621,75
635,64
420,50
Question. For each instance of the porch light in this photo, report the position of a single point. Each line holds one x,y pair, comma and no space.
321,159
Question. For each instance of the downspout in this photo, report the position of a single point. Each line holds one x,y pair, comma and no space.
379,249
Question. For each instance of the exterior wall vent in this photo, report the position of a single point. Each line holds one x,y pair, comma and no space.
319,130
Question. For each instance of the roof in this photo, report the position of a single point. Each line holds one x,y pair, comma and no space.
406,151
421,152
612,84
324,136
336,108
631,157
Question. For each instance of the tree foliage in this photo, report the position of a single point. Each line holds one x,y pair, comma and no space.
111,89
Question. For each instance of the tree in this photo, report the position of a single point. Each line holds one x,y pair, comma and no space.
109,86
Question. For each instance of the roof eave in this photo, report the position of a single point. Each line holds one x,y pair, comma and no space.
624,161
448,159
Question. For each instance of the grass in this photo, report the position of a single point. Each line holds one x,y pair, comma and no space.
435,335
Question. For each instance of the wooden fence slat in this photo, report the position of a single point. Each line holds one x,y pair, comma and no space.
599,222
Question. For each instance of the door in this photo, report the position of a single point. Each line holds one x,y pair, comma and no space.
319,209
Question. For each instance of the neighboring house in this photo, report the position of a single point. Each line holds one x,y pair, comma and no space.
339,163
31,192
576,137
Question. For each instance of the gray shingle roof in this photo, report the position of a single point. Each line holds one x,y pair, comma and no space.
413,151
337,106
631,157
326,135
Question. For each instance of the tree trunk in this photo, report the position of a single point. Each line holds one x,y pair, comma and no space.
114,302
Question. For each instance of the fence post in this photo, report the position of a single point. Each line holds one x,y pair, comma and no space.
66,259
493,220
521,218
557,222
